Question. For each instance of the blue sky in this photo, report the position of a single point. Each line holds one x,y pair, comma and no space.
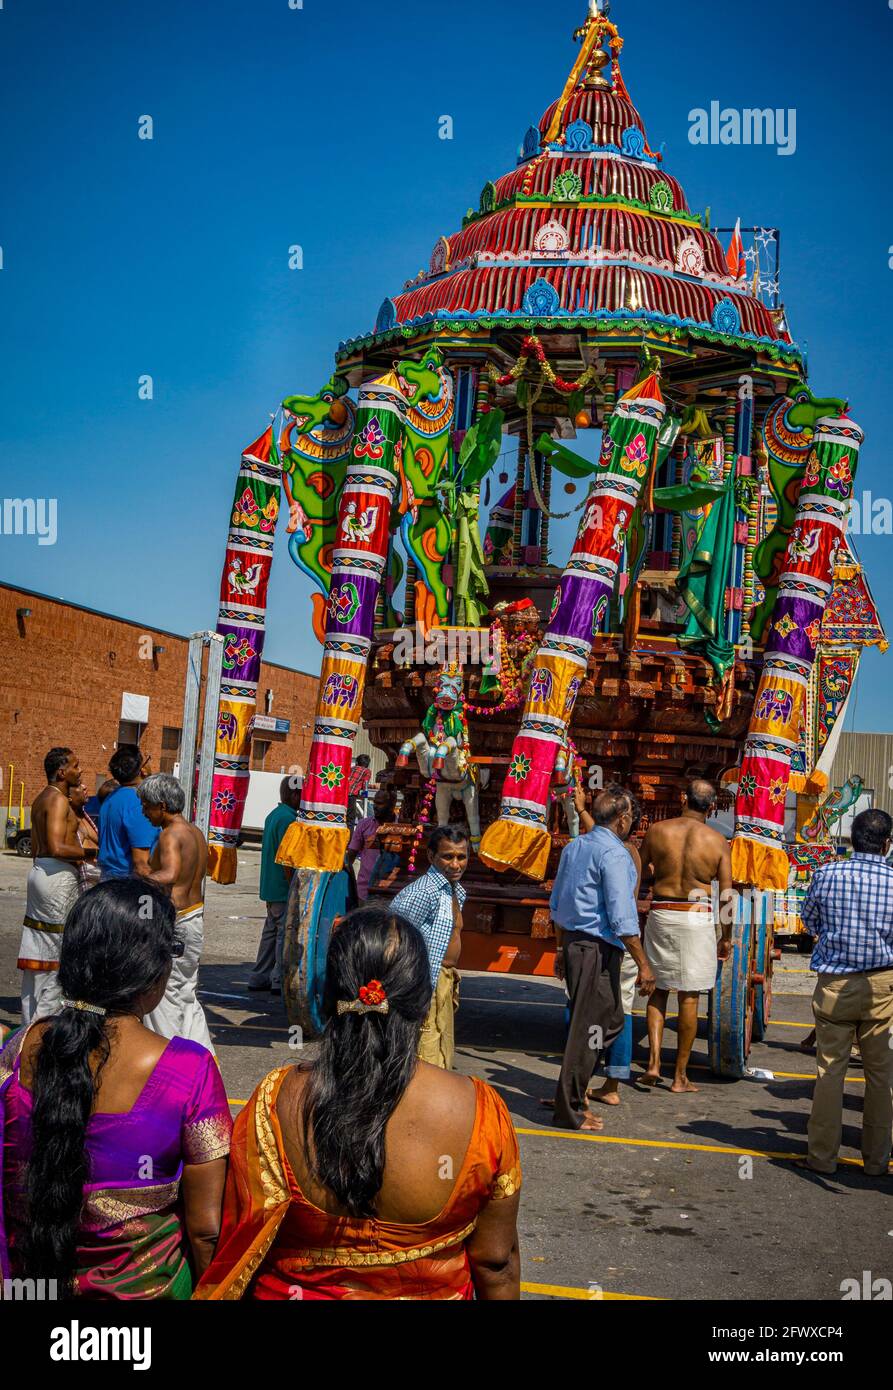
319,126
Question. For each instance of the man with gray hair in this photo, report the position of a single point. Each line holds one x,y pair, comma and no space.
177,864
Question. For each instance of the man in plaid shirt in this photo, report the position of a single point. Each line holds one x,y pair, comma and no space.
433,903
849,907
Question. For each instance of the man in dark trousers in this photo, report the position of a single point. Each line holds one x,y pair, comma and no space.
275,882
593,905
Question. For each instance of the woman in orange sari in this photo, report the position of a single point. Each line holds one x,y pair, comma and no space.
369,1174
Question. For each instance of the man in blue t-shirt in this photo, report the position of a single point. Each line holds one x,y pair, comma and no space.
126,839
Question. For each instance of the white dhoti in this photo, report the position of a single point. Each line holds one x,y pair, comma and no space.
180,1015
52,890
680,944
629,974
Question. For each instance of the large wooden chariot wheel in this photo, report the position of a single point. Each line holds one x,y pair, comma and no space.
741,1002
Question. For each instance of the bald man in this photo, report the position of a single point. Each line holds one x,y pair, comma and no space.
683,858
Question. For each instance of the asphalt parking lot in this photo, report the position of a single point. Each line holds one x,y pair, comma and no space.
689,1197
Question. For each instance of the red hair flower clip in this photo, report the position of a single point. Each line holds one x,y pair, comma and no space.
372,1000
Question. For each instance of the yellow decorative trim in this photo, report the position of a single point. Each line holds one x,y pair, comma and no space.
112,1206
207,1139
272,1174
346,1256
9,1052
237,1287
507,1184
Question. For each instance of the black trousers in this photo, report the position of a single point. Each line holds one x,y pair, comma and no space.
592,975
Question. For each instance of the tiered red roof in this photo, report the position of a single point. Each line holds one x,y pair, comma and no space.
612,239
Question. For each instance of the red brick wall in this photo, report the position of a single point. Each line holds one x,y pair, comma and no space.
63,673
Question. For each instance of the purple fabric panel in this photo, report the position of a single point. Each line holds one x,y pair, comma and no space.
351,590
579,598
796,643
185,1086
247,669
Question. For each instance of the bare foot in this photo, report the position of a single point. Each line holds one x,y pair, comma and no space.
649,1078
606,1095
591,1121
683,1086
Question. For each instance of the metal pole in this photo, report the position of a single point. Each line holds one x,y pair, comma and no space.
209,732
189,735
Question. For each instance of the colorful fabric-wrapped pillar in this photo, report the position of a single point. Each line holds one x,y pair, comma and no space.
242,622
318,839
759,857
519,839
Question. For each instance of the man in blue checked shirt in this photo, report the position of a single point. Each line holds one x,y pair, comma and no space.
849,907
433,903
593,905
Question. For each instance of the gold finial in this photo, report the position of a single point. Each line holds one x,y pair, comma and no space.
594,79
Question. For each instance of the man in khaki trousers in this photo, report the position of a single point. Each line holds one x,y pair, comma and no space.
433,903
849,907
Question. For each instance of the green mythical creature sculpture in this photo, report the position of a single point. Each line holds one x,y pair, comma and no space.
787,437
314,447
424,503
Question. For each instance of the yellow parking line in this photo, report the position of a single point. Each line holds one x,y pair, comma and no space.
668,1144
602,1295
773,1022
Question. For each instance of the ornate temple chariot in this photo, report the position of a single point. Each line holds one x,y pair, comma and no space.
681,633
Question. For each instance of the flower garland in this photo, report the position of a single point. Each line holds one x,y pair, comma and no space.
532,347
510,675
423,814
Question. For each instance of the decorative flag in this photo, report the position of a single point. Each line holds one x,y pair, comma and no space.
735,254
242,622
318,838
759,856
519,839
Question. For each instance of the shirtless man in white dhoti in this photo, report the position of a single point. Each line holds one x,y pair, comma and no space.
53,884
178,864
683,858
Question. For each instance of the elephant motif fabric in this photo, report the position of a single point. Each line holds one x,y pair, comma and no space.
759,856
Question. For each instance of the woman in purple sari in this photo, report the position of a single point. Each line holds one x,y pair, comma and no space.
114,1140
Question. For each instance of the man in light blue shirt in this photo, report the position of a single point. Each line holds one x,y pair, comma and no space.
593,906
